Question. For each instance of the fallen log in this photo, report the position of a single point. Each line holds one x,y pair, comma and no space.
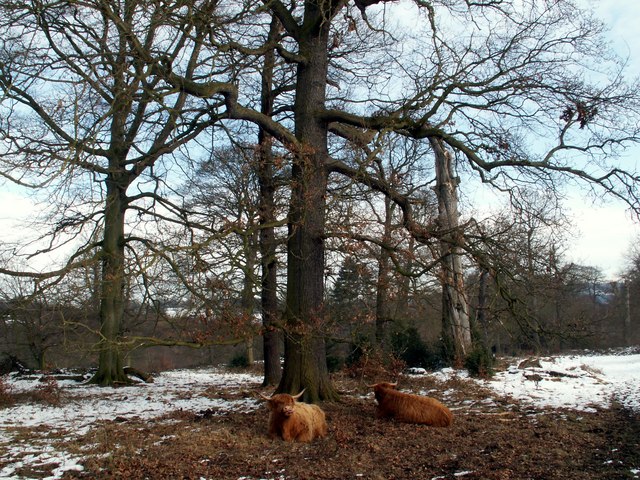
134,372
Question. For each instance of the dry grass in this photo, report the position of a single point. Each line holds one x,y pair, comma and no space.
490,440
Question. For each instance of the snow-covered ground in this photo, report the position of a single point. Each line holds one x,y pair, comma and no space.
83,406
581,382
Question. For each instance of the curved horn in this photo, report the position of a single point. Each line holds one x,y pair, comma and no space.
295,397
264,397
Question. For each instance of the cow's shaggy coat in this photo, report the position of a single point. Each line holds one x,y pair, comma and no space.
409,408
295,421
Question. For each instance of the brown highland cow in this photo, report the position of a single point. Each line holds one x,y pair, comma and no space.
294,421
409,408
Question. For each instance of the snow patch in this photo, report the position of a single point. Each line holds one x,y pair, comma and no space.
84,405
579,382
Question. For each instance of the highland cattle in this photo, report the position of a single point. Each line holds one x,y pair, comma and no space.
294,421
409,408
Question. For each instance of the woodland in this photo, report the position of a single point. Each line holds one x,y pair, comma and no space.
318,184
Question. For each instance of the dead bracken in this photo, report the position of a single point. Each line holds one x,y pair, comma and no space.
210,424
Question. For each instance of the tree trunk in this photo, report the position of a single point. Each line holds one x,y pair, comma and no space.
481,310
626,330
383,317
268,241
247,299
404,285
533,292
248,344
305,363
248,305
110,364
112,296
455,305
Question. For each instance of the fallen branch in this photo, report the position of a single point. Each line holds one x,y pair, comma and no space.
134,372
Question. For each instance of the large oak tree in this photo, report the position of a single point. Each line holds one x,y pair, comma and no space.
502,88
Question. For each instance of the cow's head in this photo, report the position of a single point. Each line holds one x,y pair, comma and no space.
379,388
282,403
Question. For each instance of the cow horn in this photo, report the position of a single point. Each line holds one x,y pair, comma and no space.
295,397
264,397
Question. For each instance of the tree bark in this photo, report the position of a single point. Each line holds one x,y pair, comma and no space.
110,364
384,272
247,297
481,310
455,305
305,356
268,241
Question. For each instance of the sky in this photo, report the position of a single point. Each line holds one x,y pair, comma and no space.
604,236
606,232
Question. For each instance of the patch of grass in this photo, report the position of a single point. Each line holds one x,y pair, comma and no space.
7,397
48,391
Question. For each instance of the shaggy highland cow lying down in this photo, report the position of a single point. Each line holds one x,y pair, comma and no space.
294,421
405,407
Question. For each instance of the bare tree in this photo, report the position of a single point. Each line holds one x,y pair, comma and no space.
503,86
455,304
529,291
225,189
87,117
492,79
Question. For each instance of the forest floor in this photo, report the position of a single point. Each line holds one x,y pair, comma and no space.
492,437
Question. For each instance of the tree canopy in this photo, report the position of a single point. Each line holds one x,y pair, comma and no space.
105,101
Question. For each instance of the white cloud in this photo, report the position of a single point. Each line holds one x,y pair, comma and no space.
621,16
15,211
603,236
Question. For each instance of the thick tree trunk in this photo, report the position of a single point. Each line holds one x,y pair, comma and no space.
455,305
269,293
269,303
305,356
268,241
110,364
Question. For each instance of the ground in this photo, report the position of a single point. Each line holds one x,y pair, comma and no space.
491,438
